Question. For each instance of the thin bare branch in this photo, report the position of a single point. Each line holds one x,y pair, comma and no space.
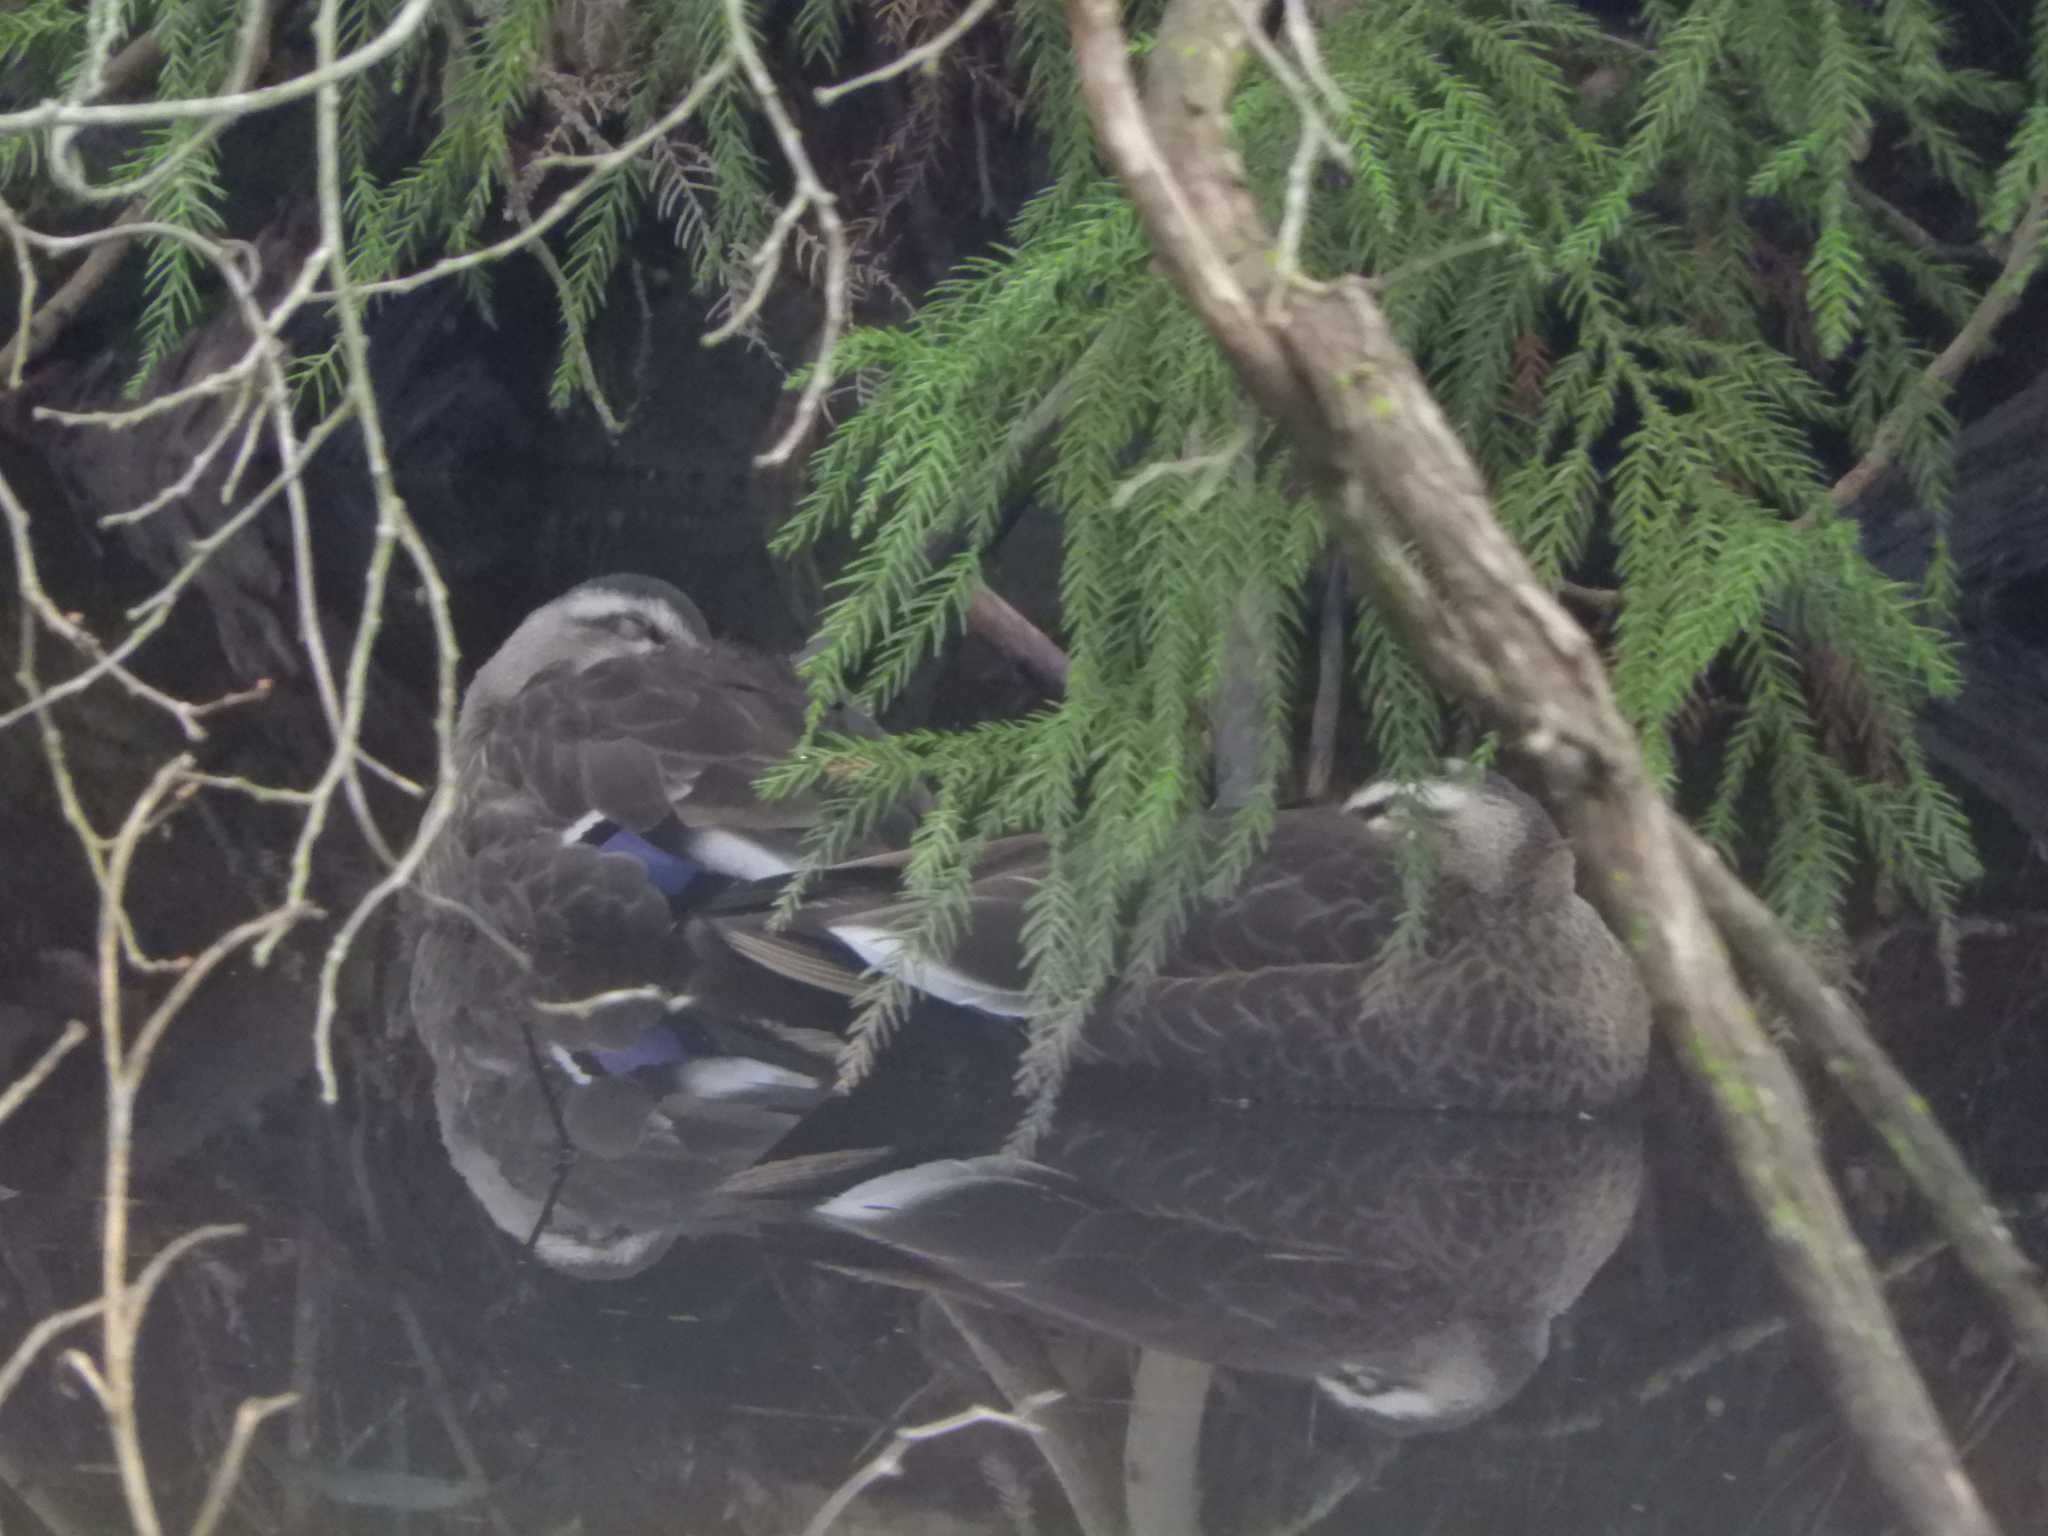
67,169
46,1332
65,114
250,1416
812,195
18,1091
395,529
923,54
996,620
888,1462
2021,254
38,327
571,198
597,1002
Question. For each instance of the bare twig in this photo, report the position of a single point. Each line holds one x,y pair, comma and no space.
1006,1348
38,607
395,530
1730,1344
252,46
911,58
569,200
598,1002
1317,139
39,327
810,195
73,114
1207,470
249,394
39,1338
262,361
1322,730
888,1462
991,616
249,1417
1998,302
1162,1482
151,613
17,1092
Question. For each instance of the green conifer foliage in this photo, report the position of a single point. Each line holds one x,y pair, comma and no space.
1647,277
1579,278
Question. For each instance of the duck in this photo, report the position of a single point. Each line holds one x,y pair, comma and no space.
598,967
1509,996
605,762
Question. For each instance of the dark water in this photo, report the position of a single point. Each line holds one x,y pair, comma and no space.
1215,1319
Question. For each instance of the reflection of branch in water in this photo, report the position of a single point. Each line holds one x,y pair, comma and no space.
821,1340
311,1308
1162,1483
1011,1355
416,1339
565,1149
53,1507
889,1460
1999,1394
1013,1497
1715,1352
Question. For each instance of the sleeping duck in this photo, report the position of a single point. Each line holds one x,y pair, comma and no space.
594,920
606,756
1516,997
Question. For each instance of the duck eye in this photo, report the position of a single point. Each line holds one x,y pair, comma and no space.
633,627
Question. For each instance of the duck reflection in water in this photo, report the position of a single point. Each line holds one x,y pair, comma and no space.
1410,1265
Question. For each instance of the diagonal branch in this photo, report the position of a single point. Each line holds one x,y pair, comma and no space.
1880,1091
1390,470
2022,255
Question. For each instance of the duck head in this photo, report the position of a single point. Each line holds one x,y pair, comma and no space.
603,618
1481,830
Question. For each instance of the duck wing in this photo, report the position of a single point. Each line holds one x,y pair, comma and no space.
671,742
650,1156
855,919
1324,891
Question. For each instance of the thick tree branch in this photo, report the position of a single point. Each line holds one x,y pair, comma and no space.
41,326
1322,359
997,621
1886,1099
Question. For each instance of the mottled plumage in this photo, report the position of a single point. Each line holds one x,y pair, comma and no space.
605,758
607,838
1517,998
1410,1265
649,1157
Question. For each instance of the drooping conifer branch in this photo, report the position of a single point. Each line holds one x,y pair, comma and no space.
1322,361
